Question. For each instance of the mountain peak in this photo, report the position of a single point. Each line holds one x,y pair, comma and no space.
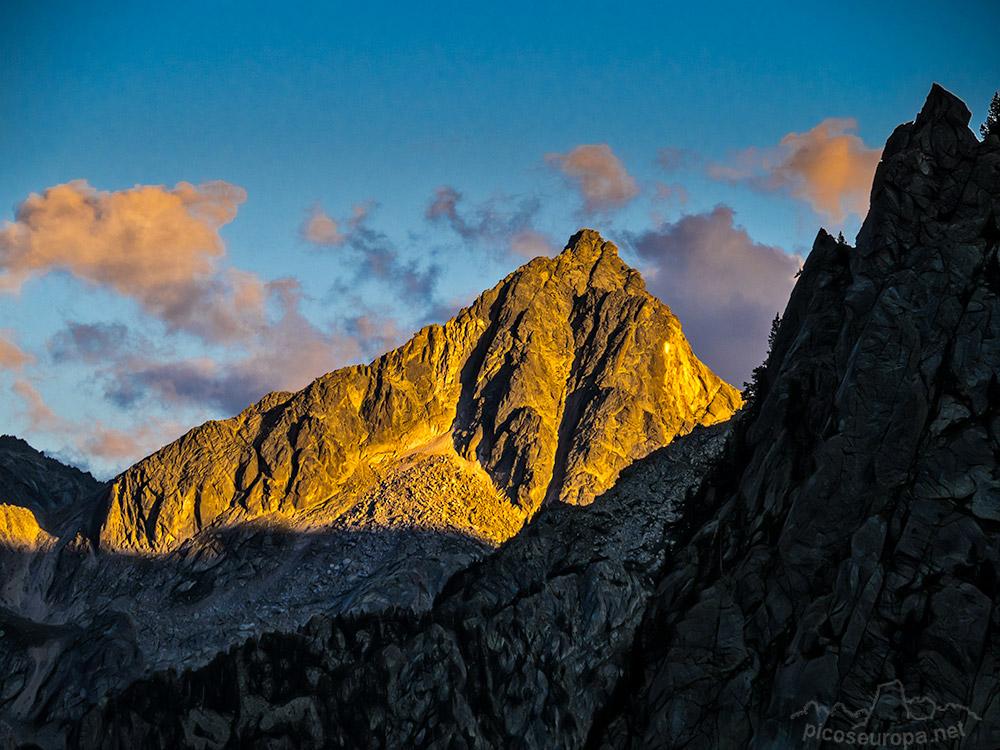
588,244
943,106
543,389
590,261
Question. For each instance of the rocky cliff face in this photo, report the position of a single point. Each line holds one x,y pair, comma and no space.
40,500
546,387
840,560
856,541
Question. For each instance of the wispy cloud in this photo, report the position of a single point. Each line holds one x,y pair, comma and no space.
500,225
376,332
136,372
598,174
35,411
90,342
724,287
672,193
92,444
378,259
529,244
322,231
671,159
119,448
827,166
11,356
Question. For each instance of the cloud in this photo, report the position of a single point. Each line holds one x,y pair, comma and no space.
321,230
161,247
115,449
444,206
674,192
599,175
530,244
11,356
38,415
133,371
671,159
92,444
667,199
91,342
502,224
282,350
724,287
158,246
376,333
379,260
828,167
370,256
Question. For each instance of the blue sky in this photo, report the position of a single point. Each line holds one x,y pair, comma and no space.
434,148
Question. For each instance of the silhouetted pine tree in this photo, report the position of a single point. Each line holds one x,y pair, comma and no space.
752,389
992,124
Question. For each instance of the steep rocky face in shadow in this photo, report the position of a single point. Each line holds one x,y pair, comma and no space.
843,550
856,543
546,387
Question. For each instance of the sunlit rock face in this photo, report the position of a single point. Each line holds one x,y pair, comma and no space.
19,527
543,389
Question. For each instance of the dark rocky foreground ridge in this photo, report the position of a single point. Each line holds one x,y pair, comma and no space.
852,539
842,554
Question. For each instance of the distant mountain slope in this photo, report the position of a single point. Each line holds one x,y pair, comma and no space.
43,485
523,649
544,388
37,493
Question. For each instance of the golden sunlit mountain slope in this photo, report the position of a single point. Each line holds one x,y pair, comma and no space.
543,389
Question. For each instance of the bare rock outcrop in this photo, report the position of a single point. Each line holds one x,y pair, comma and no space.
852,550
19,527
